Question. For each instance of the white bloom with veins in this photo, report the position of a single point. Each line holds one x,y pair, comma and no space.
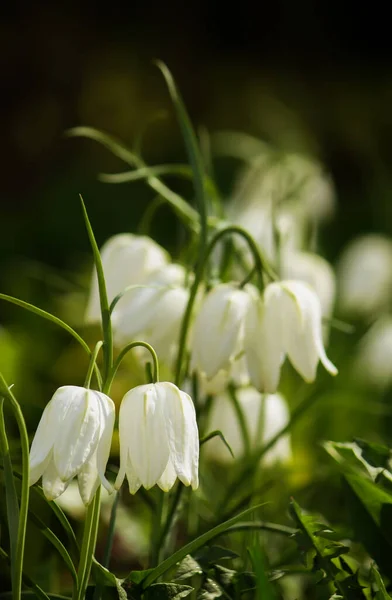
217,330
73,438
159,439
314,270
264,415
127,259
365,275
153,312
287,321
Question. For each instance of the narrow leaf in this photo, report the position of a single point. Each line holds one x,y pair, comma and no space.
217,433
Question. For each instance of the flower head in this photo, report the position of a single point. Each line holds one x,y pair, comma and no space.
127,259
153,311
218,330
287,321
73,438
159,440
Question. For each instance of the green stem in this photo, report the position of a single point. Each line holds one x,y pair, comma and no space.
156,522
92,363
110,537
241,419
170,516
88,546
24,500
122,354
10,491
103,297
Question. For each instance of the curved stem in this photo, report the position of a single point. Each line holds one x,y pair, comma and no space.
261,264
24,499
88,546
123,353
91,366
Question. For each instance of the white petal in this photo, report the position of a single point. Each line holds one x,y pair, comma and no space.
107,418
41,448
52,484
134,482
182,432
142,425
168,477
217,328
78,435
88,480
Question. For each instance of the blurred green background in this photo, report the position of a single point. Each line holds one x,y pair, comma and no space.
303,76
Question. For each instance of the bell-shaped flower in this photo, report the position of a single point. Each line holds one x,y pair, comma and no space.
372,364
264,415
153,312
217,330
286,321
314,270
73,438
365,276
127,259
159,439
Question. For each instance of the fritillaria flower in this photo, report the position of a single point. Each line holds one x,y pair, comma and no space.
159,439
73,438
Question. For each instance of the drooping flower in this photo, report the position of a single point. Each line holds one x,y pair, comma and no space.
264,415
153,312
127,259
159,439
73,438
365,276
217,331
314,270
286,321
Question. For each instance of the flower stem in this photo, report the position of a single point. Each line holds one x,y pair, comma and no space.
24,500
110,537
156,529
88,546
123,353
92,363
241,419
261,264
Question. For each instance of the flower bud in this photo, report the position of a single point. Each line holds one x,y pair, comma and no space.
159,439
73,438
127,259
217,330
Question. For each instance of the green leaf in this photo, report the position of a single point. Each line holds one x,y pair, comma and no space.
182,208
371,516
167,591
192,148
212,554
194,545
380,589
264,590
217,433
10,490
376,455
210,591
36,592
187,568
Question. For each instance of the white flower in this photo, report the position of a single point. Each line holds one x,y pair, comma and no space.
287,321
365,275
159,440
153,312
216,337
314,270
264,415
127,259
372,364
73,438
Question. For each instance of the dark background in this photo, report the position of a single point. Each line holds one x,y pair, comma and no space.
307,76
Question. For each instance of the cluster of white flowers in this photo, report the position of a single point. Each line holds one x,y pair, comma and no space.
159,440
